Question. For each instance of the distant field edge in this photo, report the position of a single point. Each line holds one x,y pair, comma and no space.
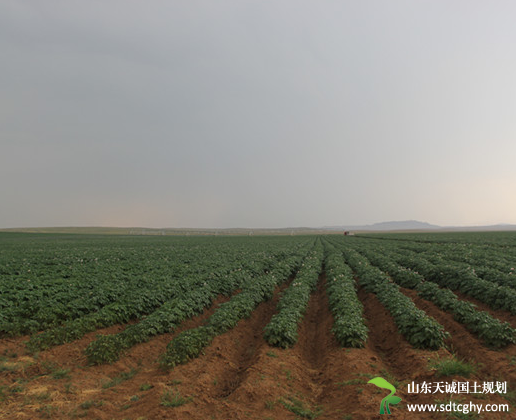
139,231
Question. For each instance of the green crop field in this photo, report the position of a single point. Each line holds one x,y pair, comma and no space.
59,290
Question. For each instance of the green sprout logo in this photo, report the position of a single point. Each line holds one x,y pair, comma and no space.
389,399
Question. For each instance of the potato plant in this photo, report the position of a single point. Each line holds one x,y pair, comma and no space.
349,324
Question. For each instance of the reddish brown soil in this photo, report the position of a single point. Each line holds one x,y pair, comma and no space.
240,376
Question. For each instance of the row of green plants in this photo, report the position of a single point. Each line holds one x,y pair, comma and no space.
349,326
457,277
109,348
190,343
486,253
492,331
282,329
495,276
420,330
487,263
133,305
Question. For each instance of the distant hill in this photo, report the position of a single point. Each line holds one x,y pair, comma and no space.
403,225
415,225
382,226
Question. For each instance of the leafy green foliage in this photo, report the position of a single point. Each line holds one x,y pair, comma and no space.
187,345
492,331
349,324
281,331
457,276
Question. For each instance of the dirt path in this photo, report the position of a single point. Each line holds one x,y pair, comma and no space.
315,337
249,337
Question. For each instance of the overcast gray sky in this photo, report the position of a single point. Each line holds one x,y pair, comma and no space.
256,113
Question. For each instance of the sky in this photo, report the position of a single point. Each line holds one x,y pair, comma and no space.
257,114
